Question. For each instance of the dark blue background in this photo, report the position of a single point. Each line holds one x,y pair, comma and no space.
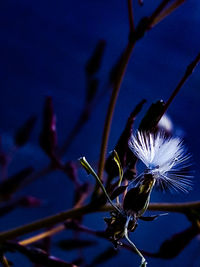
44,46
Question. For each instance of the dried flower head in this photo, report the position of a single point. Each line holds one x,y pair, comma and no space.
166,159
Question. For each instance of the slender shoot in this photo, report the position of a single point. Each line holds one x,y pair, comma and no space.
143,261
117,161
90,170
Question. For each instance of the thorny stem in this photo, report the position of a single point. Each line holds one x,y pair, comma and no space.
73,213
190,68
143,262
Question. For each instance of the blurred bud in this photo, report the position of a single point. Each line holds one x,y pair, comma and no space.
91,89
30,202
118,191
23,133
71,170
12,184
173,246
140,2
115,71
48,136
152,117
94,62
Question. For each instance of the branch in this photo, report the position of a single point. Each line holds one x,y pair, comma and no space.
73,213
43,223
175,207
189,70
130,15
135,35
115,92
111,107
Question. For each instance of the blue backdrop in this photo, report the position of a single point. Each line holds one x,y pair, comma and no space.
44,46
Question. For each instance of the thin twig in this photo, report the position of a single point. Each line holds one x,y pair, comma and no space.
190,68
175,207
43,235
136,250
115,92
130,16
45,222
167,11
111,108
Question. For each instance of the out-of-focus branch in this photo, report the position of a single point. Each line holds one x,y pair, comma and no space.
175,207
43,235
122,69
111,107
135,34
189,70
130,16
73,213
167,11
46,222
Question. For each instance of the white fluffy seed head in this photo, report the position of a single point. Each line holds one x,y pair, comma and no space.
166,159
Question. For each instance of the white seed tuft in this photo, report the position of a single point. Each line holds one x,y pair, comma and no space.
166,159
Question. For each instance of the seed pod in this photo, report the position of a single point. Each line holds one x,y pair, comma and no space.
48,136
23,133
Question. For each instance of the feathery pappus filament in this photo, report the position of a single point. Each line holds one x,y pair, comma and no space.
166,158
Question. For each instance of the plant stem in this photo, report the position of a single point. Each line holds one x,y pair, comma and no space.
130,15
190,68
45,222
175,207
126,56
111,108
62,216
43,235
115,92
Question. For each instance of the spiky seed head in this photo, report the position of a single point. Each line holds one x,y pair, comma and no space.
166,158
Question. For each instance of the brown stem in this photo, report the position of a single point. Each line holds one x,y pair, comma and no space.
62,216
43,235
167,11
111,108
43,223
126,56
158,10
190,68
115,92
130,15
175,207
